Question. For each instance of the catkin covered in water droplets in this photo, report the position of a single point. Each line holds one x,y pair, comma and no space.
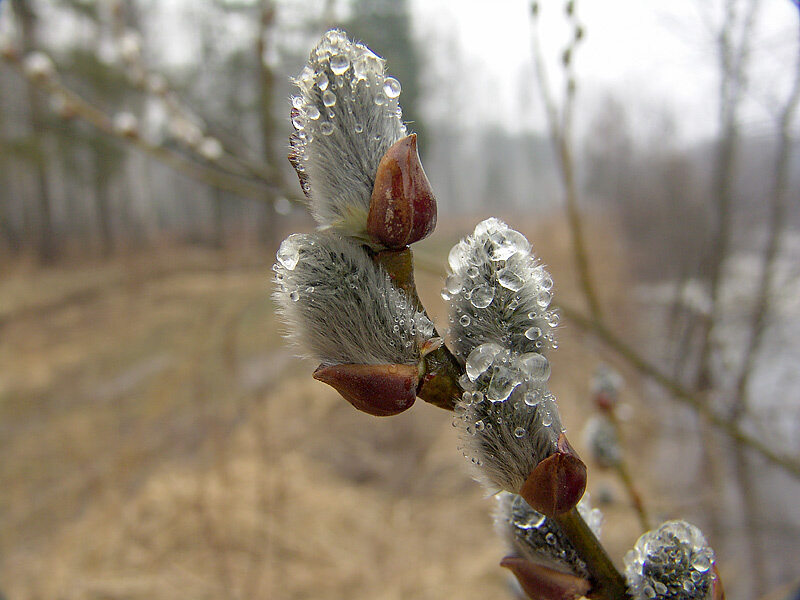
532,536
341,307
345,119
501,286
673,562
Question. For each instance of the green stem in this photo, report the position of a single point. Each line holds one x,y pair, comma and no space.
607,581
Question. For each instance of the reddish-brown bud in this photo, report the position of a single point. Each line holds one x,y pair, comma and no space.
379,390
542,583
557,483
717,592
402,209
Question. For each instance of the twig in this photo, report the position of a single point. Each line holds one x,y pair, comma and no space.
678,391
560,139
608,583
214,177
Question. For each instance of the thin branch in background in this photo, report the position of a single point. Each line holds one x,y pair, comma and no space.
190,128
778,209
560,137
126,129
678,391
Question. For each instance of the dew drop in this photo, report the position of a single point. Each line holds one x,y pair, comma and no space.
547,419
453,284
465,320
326,128
380,99
543,299
289,253
339,64
322,81
482,296
473,271
509,279
294,296
312,112
701,562
519,432
328,98
391,87
535,365
503,382
359,128
480,425
533,333
480,358
533,397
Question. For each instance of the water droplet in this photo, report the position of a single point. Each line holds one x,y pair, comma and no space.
339,64
480,358
298,122
473,271
533,333
312,112
297,102
547,419
519,432
289,253
535,365
701,562
503,382
326,128
660,588
380,99
509,279
550,538
533,397
547,282
480,425
531,520
453,284
359,128
543,299
328,98
391,87
482,296
506,243
322,81
465,320
294,296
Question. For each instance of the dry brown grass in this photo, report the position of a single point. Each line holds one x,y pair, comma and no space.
159,442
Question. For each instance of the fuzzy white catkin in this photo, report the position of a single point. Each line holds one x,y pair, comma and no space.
345,118
534,537
498,292
673,562
499,295
342,308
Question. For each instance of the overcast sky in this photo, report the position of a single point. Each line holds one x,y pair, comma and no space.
655,56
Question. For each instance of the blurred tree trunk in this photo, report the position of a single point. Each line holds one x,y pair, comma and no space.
26,23
10,236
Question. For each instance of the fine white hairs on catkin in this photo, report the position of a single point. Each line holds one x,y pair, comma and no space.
498,292
499,296
532,536
673,562
345,118
341,307
507,419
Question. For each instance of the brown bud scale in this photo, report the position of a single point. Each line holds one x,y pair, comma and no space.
379,390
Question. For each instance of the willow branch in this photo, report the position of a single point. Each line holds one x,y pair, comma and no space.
261,192
679,392
560,139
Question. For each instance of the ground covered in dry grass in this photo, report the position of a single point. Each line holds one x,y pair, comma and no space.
159,441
